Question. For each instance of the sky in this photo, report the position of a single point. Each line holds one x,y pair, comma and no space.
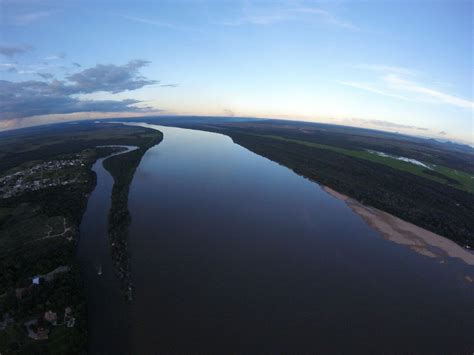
401,66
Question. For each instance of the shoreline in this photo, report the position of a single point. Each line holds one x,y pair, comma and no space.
122,168
401,232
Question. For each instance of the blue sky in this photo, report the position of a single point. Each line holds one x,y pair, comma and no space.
402,66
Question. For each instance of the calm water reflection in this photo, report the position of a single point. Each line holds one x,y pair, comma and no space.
232,252
107,311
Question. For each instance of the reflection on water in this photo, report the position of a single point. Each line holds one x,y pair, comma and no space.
106,309
231,252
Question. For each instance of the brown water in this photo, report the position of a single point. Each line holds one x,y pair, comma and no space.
232,252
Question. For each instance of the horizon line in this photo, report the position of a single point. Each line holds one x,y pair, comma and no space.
426,137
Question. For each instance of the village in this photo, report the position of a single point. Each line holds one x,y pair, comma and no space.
43,301
46,174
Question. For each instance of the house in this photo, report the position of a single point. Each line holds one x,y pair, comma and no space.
41,333
68,319
51,317
35,331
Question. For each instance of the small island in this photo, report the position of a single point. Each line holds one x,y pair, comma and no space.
122,168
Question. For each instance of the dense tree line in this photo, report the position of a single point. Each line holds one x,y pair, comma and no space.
426,203
122,168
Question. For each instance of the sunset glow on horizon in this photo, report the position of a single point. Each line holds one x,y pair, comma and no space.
397,66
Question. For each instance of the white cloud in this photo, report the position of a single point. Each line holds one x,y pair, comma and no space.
386,69
373,88
397,83
27,18
269,16
157,23
378,124
327,17
392,82
8,66
57,56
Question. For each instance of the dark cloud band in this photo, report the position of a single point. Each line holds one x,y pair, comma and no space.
32,98
11,51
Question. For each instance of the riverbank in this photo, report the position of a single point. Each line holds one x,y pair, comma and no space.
401,232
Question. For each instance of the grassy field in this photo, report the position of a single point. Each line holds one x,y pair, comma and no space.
445,175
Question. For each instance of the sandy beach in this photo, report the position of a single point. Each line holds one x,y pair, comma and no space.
399,231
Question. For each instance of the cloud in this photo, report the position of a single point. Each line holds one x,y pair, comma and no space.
386,69
388,124
261,16
9,67
256,20
327,17
25,69
45,75
372,88
398,83
269,16
110,78
30,17
57,56
229,112
12,51
32,98
157,23
392,82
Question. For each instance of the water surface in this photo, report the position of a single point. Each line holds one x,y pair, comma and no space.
232,252
107,312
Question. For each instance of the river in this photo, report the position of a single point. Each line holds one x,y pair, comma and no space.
233,253
107,312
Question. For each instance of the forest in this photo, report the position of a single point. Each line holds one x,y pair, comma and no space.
28,219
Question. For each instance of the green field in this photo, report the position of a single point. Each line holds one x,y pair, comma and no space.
445,175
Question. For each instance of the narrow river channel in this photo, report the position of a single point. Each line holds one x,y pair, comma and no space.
107,311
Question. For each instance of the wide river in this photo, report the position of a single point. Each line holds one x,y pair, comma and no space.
233,253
